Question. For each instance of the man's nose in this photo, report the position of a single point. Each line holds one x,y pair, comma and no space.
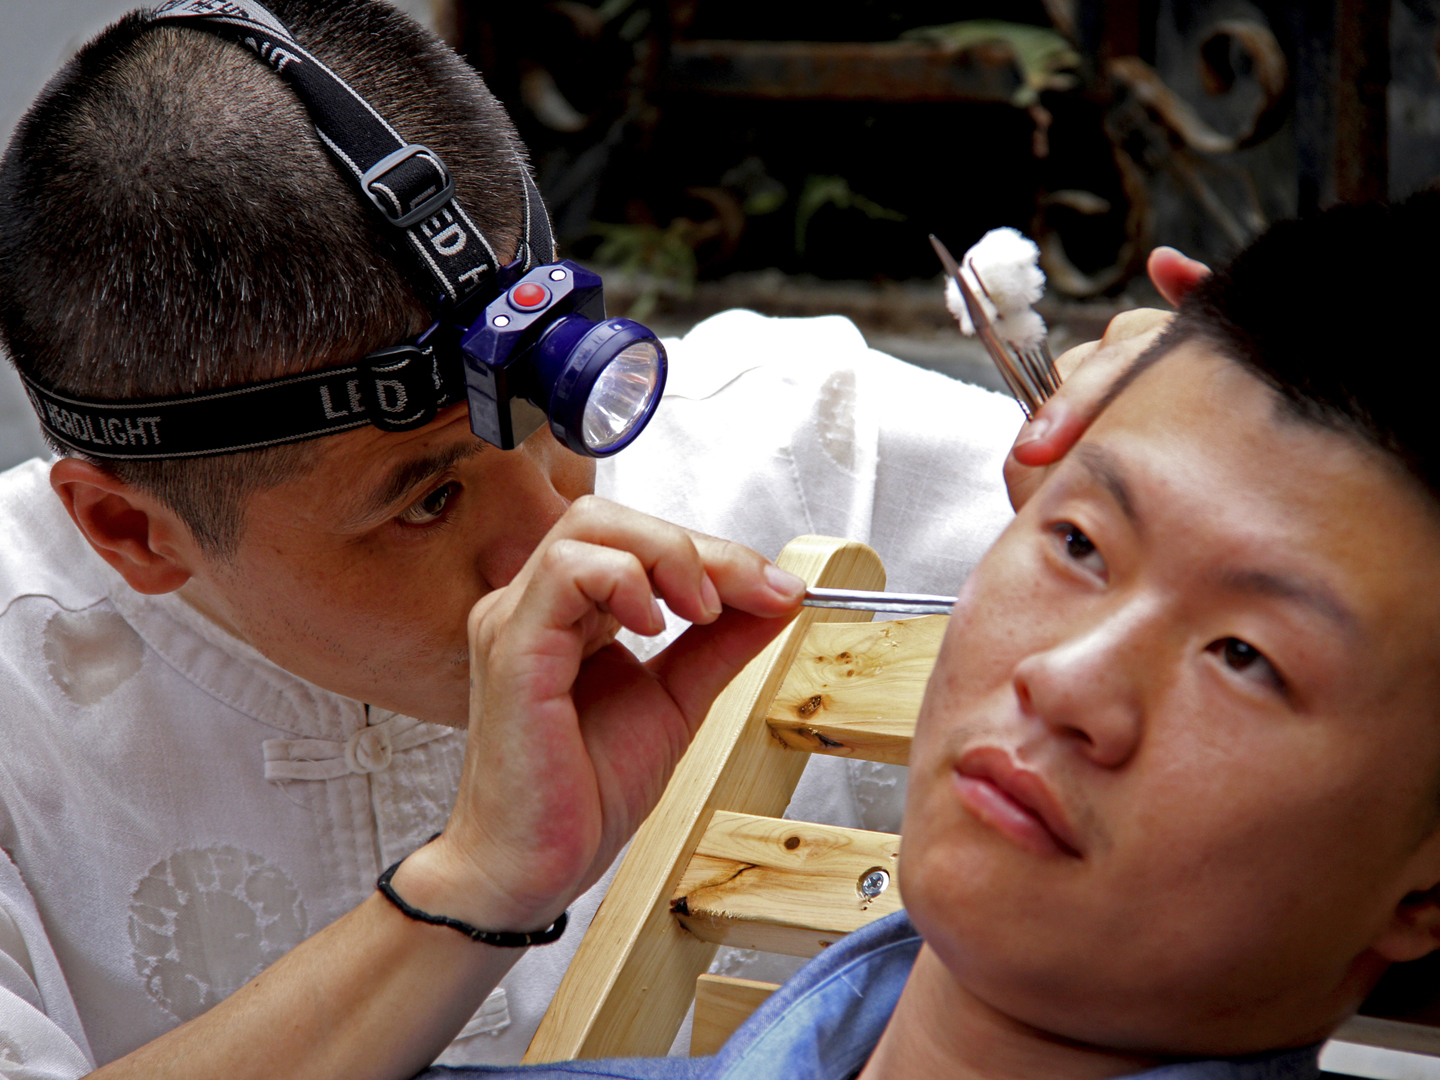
1088,687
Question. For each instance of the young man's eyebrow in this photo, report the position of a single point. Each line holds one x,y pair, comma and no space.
1101,464
1311,594
406,475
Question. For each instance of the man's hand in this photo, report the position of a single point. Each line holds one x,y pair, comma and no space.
571,739
571,742
1089,370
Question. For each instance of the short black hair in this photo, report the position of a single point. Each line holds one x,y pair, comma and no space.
170,224
1332,312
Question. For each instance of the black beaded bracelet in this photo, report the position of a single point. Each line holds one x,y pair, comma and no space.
501,939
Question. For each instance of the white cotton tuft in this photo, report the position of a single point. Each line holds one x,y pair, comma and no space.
1008,264
956,303
1023,329
1003,272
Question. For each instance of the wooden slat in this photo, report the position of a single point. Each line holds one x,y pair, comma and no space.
855,688
630,984
783,886
722,1004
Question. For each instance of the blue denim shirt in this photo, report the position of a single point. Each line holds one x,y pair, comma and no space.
824,1022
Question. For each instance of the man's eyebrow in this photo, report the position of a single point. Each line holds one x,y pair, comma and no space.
1311,594
1102,465
404,476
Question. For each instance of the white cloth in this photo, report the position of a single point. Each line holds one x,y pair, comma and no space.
180,811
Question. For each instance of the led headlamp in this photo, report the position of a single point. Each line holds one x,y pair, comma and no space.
523,343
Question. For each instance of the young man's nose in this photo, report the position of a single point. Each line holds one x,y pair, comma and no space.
1086,688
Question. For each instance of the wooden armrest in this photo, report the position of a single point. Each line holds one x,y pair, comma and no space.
785,886
834,699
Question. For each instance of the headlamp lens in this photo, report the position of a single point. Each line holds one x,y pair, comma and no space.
621,396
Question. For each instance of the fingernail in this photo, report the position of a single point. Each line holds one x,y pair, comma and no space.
1034,431
657,617
783,582
710,597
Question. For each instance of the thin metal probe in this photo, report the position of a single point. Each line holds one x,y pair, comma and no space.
862,600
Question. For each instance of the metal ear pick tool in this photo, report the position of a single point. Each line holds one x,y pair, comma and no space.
860,600
1029,373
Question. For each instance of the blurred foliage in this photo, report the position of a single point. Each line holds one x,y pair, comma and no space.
823,191
1045,59
659,259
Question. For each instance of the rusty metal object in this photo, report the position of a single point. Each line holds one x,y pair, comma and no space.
1271,76
1267,66
1362,61
1174,111
901,71
1062,274
1183,146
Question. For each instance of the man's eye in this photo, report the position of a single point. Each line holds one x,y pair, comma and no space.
1243,657
1080,547
431,508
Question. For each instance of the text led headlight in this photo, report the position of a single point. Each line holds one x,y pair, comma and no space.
544,349
521,343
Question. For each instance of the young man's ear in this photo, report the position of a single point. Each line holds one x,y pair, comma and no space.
132,531
1414,928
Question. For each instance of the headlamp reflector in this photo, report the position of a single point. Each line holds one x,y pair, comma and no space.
621,397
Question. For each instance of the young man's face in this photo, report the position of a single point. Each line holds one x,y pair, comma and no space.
1176,783
358,575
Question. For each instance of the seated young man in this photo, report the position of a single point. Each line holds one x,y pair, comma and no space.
1174,803
232,683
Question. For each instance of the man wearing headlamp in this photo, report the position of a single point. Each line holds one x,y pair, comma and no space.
233,645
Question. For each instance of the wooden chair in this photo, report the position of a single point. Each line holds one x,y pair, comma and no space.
714,864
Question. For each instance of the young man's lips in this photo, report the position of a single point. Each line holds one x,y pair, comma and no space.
1014,801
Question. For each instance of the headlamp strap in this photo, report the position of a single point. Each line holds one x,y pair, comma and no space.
407,182
394,389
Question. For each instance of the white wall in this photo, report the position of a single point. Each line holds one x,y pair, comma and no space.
36,37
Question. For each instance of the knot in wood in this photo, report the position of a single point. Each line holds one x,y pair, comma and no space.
810,706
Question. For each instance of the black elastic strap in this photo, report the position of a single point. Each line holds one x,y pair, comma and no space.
406,182
501,939
394,389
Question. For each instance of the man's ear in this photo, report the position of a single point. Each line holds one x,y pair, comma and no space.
132,531
1413,930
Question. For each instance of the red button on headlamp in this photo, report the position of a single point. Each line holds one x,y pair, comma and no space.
528,296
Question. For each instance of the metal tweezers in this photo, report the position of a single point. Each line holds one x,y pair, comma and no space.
860,600
1029,373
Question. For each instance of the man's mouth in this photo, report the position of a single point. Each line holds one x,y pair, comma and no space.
1013,801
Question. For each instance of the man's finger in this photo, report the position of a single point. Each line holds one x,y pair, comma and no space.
693,573
1064,418
748,581
1175,274
577,581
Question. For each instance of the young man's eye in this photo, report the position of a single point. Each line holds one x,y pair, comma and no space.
1079,547
431,508
1243,657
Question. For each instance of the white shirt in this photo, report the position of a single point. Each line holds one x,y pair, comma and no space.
181,812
